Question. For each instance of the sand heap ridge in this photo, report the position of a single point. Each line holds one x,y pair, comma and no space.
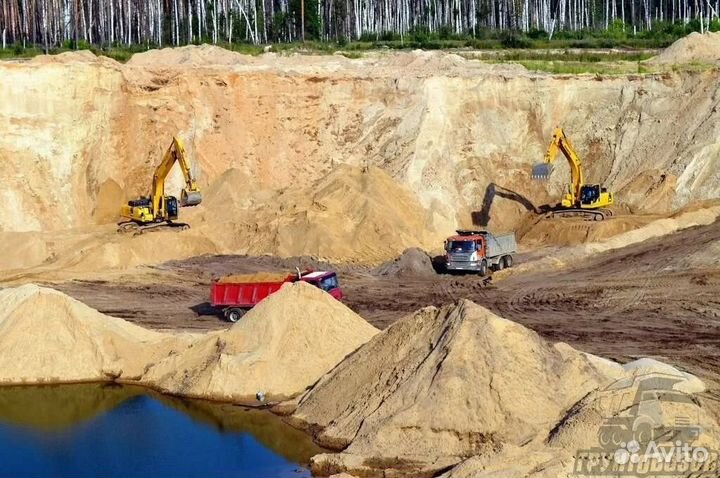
281,347
48,336
445,384
696,47
350,214
413,262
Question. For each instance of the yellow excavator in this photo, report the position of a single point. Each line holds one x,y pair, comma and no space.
160,210
589,201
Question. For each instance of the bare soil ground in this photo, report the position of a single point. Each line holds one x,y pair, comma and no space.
652,299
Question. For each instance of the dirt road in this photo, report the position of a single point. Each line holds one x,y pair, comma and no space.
658,298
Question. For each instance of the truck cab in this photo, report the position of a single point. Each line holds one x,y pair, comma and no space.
465,252
325,280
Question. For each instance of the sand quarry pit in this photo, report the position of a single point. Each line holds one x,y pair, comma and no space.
364,166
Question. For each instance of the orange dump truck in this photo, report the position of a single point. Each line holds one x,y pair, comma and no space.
478,251
236,294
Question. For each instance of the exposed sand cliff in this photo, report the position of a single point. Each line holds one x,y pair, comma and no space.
83,134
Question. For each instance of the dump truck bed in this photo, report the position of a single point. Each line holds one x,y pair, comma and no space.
244,295
244,291
256,277
501,244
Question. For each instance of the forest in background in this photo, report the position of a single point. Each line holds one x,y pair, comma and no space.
143,24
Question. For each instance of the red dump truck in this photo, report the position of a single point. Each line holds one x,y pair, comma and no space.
478,251
236,294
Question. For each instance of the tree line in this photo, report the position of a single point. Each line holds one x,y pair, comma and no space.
57,23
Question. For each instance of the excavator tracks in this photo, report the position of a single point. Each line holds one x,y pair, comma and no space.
137,229
586,214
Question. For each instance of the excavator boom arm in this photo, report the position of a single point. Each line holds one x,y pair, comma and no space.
561,143
191,193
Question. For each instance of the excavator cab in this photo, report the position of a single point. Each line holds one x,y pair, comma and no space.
594,196
171,205
589,194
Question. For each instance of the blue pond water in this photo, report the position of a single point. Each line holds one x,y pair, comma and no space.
110,431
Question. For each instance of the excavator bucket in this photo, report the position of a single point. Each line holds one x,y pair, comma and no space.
542,171
192,198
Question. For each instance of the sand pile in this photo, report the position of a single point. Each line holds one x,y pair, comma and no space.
350,215
191,55
358,214
696,47
280,347
412,262
440,385
47,336
461,386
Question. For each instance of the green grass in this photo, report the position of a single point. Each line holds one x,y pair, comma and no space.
572,56
17,52
577,68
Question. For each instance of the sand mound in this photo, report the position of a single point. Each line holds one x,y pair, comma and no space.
191,55
447,384
440,385
412,262
696,47
47,336
350,215
232,187
280,347
80,56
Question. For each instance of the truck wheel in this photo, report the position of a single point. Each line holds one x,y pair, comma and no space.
643,434
500,264
483,268
508,261
234,314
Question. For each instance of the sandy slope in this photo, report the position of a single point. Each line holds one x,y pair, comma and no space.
83,133
446,384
